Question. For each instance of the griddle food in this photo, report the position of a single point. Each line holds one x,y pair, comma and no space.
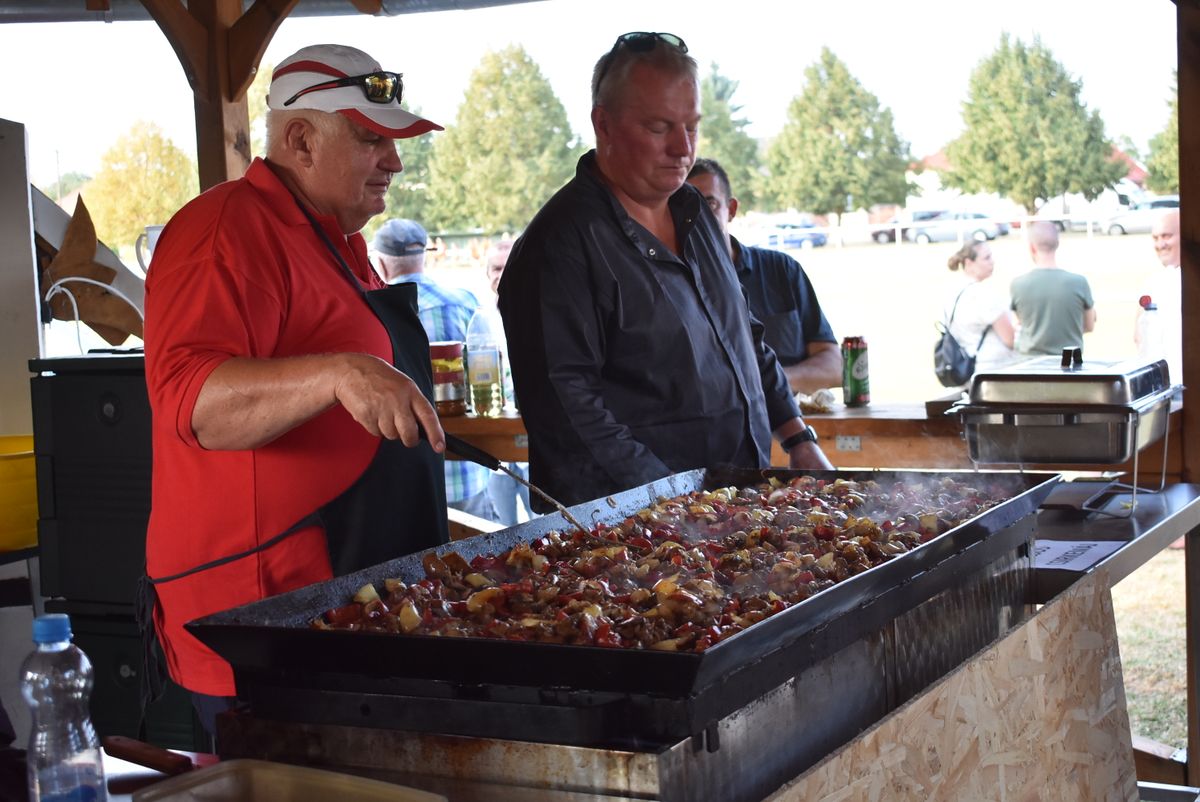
681,575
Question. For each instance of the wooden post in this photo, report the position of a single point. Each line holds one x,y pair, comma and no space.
1188,33
220,48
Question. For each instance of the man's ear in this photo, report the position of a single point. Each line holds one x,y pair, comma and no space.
600,121
733,207
299,137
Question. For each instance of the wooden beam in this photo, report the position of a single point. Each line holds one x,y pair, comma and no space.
187,37
248,40
222,125
1188,39
1158,763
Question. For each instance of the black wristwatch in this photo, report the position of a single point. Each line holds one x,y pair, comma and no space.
805,435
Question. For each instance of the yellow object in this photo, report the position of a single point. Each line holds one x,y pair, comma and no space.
240,780
18,493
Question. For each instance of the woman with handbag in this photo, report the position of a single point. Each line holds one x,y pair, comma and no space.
977,315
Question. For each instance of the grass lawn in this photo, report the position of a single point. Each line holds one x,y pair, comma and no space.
1150,618
893,294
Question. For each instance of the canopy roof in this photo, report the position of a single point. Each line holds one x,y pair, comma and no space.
219,44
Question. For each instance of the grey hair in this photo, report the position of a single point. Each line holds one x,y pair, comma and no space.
611,73
327,123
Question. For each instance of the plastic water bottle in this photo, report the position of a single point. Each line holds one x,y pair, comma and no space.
56,680
485,362
1150,332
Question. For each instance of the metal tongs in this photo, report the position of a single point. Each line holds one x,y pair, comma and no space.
460,447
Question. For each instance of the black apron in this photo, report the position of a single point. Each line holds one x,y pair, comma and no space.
396,506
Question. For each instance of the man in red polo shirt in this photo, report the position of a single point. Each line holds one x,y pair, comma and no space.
289,389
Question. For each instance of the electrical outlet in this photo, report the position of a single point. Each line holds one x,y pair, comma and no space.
845,442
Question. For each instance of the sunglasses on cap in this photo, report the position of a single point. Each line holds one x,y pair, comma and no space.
379,87
641,42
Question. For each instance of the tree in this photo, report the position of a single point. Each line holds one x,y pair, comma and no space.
143,178
256,107
838,150
1028,136
65,185
1127,146
723,136
1163,163
509,149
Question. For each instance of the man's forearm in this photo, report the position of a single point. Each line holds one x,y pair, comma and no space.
822,369
246,403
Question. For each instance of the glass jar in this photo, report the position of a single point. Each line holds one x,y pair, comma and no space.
449,378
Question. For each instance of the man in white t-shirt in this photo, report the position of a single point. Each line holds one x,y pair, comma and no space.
1165,291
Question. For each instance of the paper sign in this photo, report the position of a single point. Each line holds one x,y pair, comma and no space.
1072,555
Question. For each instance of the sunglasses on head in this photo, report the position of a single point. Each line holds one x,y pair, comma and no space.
641,42
379,87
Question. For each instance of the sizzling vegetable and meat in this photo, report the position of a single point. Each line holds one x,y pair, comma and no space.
683,574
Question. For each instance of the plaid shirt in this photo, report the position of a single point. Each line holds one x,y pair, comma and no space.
445,313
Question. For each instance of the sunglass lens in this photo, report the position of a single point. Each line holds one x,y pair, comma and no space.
643,41
640,42
673,40
381,87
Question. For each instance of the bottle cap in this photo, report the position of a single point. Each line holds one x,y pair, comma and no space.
51,628
1146,302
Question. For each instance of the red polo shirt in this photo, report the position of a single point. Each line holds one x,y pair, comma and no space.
240,271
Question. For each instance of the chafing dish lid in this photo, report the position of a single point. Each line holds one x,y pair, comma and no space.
1047,380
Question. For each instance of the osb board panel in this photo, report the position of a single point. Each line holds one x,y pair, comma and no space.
1037,716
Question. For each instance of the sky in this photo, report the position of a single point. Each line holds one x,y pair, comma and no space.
77,87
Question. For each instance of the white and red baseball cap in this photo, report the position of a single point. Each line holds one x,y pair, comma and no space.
298,79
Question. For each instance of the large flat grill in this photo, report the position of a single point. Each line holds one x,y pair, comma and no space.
779,695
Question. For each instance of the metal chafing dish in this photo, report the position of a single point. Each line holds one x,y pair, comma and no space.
732,723
1053,410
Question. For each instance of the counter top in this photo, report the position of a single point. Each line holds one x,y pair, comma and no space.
901,435
1157,520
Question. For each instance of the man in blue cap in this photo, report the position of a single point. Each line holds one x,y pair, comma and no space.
399,248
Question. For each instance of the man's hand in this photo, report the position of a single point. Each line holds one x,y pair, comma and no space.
808,457
387,403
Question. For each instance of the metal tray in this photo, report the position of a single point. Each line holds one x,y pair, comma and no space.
271,640
1058,434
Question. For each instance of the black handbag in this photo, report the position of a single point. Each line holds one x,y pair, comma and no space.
952,364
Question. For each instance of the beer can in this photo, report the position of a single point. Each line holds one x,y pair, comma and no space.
856,385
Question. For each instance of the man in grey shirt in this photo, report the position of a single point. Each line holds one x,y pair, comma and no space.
1054,306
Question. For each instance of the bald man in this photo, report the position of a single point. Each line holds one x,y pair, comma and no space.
1165,291
1054,306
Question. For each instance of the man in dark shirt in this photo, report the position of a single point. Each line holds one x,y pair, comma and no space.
632,348
779,294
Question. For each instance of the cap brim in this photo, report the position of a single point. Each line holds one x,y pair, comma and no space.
391,121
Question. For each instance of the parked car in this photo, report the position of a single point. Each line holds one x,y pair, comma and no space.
1140,217
948,226
795,235
886,232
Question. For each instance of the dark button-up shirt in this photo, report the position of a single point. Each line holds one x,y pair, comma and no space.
782,297
631,362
